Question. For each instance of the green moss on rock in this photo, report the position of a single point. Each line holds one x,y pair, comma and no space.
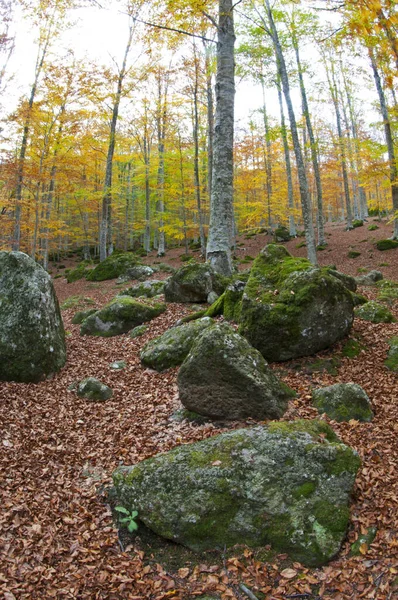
113,266
291,309
386,244
251,486
343,402
374,312
119,316
392,358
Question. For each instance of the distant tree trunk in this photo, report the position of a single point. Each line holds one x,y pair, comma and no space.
210,120
106,214
161,121
335,99
24,144
196,154
288,166
302,176
389,141
221,204
268,163
314,155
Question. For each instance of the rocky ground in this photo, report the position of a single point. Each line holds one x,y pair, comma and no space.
57,536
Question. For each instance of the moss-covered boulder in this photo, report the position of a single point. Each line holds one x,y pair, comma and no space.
81,315
224,377
370,278
193,283
347,280
147,289
119,316
343,401
113,266
92,389
282,234
82,270
285,484
171,348
138,331
32,336
290,308
357,223
374,312
139,272
386,245
392,358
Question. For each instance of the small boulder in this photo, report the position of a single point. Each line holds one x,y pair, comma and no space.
392,358
147,289
285,484
139,272
291,309
92,389
119,316
374,312
388,244
138,331
343,401
171,348
32,336
224,377
347,280
113,266
369,278
282,234
193,283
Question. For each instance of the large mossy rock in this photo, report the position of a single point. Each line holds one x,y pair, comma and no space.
32,336
114,266
343,401
119,316
292,309
193,283
374,312
224,377
171,348
287,484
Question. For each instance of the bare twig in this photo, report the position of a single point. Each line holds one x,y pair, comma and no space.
248,592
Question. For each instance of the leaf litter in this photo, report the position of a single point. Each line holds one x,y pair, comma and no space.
57,536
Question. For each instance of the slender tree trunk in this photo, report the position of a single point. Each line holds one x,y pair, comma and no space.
161,120
210,120
268,164
24,144
146,148
195,123
389,141
106,213
313,145
288,166
302,176
221,204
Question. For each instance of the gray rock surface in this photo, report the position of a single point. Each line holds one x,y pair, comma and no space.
290,308
32,336
119,316
224,377
285,484
147,289
92,389
343,402
171,348
369,278
193,283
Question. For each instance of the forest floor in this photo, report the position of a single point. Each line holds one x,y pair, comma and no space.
57,536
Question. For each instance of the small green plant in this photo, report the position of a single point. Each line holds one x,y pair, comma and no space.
129,519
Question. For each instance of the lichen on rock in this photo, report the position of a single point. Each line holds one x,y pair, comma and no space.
119,316
193,283
224,377
285,486
374,312
292,309
343,402
32,336
171,348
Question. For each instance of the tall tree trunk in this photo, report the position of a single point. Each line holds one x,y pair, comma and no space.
24,144
221,204
335,99
196,154
288,166
302,176
268,164
313,145
161,121
389,141
106,213
210,119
